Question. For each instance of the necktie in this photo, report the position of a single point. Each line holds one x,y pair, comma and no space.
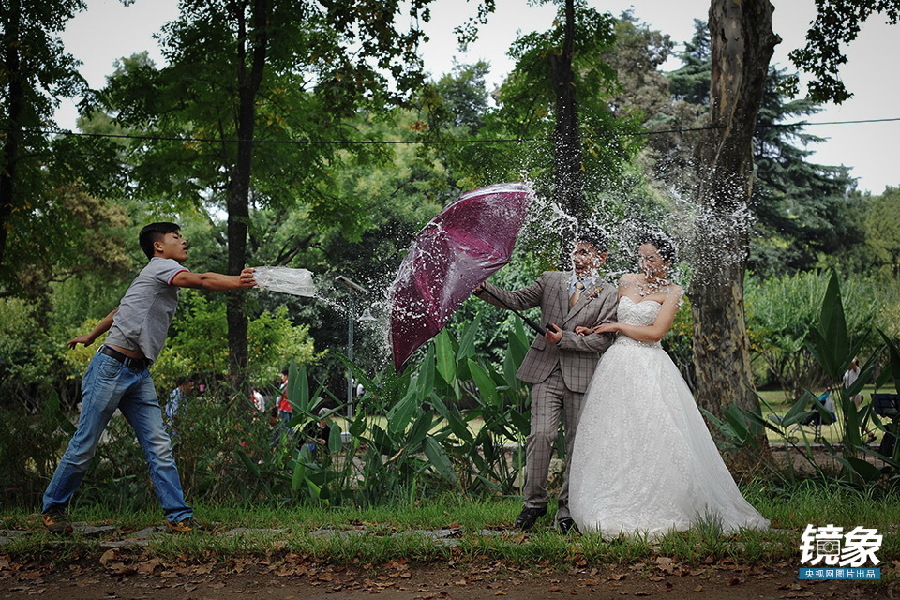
576,294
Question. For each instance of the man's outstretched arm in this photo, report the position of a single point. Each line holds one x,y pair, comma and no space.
215,282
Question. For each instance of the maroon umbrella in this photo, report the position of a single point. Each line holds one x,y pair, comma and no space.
455,252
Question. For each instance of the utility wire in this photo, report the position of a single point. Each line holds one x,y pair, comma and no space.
155,138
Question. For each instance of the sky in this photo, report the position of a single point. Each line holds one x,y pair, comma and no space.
107,30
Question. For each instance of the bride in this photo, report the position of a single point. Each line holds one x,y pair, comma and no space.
644,462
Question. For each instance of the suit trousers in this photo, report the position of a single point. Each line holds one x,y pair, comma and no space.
550,400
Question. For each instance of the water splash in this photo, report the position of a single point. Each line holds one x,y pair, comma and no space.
702,231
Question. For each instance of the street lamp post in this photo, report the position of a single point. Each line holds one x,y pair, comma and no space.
354,288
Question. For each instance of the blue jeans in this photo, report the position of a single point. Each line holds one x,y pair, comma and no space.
108,384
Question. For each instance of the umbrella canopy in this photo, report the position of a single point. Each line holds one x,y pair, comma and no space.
455,252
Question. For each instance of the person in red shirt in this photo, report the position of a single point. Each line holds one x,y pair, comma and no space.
285,410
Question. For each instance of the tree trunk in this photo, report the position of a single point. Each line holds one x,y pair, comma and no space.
742,46
16,109
567,145
249,81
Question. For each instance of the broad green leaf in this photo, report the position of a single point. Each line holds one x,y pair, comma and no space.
454,420
250,464
832,342
446,357
439,460
799,411
735,418
299,474
467,339
866,470
401,415
298,388
425,374
521,421
486,386
418,431
315,492
894,365
334,438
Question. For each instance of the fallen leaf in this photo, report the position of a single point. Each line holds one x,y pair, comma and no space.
147,567
665,563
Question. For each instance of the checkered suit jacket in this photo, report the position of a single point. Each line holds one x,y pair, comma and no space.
576,355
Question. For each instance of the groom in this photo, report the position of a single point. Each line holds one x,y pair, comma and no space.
559,363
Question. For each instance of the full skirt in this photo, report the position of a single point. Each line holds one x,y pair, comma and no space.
644,461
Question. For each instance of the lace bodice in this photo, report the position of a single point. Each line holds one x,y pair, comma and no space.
637,313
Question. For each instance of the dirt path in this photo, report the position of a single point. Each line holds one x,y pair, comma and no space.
398,580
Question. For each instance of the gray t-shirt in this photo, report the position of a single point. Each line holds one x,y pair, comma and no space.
145,313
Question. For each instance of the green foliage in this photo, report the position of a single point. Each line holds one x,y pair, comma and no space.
28,450
197,343
26,354
35,71
837,23
527,111
807,215
691,82
407,437
881,225
833,347
804,210
781,311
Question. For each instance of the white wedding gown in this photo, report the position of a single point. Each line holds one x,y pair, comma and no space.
644,461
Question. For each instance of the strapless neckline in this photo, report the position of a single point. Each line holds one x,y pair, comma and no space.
641,302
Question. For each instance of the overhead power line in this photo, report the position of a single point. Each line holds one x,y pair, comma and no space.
157,138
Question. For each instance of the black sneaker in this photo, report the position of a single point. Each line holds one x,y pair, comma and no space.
56,521
528,516
188,525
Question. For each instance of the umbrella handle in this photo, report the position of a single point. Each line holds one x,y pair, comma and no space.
537,328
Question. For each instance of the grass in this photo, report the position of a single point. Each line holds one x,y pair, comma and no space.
343,535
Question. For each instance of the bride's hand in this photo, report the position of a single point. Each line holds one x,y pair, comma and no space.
583,331
606,328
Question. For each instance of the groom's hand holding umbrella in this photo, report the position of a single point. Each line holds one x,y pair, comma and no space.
554,334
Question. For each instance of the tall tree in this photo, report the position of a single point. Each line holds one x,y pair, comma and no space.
265,84
742,47
801,209
562,113
35,71
566,143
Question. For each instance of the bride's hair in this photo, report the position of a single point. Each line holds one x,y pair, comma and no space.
663,244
